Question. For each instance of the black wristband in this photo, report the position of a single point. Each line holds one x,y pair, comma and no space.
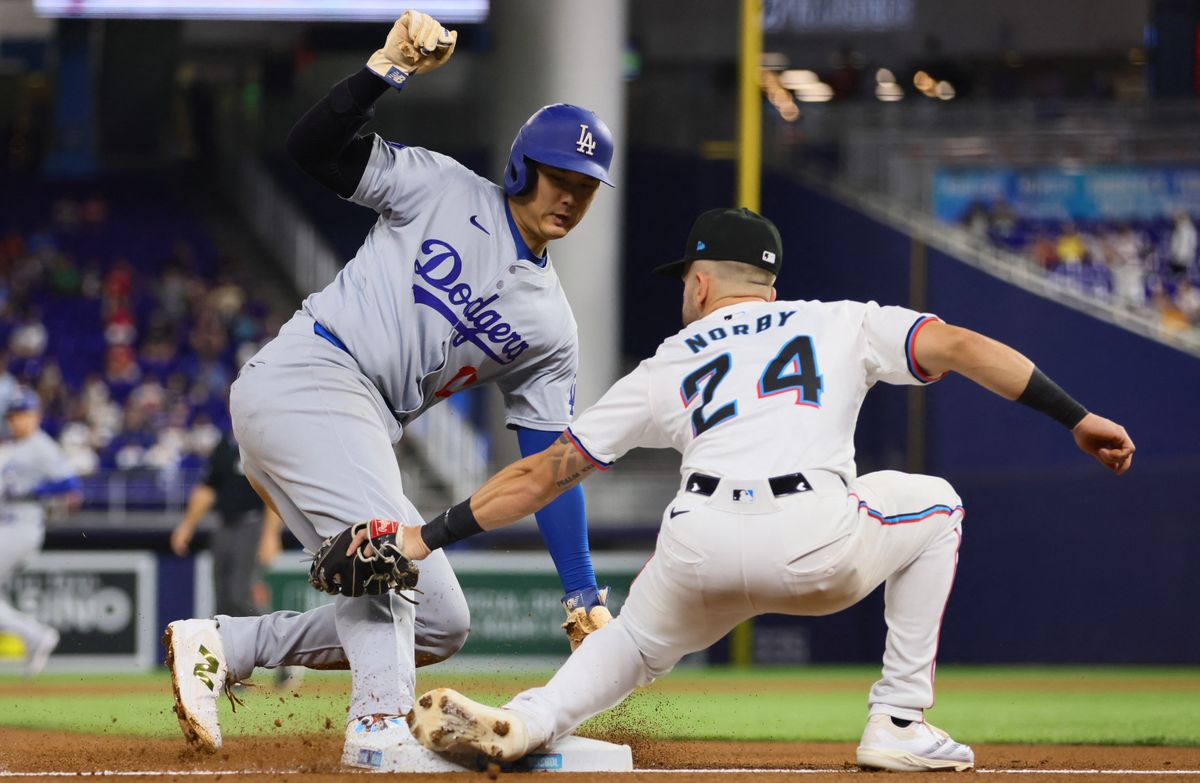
1043,394
454,524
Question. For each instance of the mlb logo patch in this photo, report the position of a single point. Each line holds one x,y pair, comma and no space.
768,256
743,496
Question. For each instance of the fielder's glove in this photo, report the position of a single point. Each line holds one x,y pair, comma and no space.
586,612
417,44
336,573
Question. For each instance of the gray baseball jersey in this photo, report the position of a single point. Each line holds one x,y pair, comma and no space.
26,467
793,376
445,294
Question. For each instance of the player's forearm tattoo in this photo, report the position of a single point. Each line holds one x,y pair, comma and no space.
567,465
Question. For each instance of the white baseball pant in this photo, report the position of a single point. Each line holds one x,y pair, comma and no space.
719,562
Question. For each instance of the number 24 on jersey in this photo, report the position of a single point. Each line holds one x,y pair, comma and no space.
794,368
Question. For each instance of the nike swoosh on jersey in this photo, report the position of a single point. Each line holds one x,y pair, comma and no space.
475,223
675,513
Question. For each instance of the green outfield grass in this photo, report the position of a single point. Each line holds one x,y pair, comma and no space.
993,704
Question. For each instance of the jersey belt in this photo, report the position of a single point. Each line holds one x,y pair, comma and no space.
321,331
781,486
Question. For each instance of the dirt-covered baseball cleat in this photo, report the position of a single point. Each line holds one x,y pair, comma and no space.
446,721
196,660
917,747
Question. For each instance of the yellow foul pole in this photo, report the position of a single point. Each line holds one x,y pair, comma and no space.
749,195
749,183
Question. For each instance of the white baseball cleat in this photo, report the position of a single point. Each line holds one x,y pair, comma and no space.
39,654
917,747
446,721
196,660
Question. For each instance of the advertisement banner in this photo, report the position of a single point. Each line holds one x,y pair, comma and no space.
1107,193
103,604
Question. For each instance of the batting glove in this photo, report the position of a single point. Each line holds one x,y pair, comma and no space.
417,43
587,611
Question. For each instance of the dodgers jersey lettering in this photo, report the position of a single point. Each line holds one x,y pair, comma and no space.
755,390
25,465
444,294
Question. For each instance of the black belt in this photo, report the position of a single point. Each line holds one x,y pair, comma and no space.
781,486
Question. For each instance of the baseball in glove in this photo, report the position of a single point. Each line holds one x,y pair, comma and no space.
386,568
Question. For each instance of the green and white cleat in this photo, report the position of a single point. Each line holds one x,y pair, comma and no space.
196,660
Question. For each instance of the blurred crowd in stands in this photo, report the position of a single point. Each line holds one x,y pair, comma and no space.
1133,263
130,328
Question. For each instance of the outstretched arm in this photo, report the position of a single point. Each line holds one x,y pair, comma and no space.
562,522
512,494
939,348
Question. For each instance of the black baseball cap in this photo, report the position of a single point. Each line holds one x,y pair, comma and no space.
730,235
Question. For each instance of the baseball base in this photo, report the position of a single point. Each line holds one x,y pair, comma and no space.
571,754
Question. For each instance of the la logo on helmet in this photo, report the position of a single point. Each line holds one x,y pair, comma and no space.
585,143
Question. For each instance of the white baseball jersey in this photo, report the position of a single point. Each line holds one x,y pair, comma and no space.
27,467
444,294
758,389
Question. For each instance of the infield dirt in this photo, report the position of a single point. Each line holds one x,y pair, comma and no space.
313,759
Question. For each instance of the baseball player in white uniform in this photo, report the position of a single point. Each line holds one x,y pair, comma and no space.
761,397
452,288
33,470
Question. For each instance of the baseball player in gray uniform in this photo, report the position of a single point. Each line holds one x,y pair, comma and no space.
452,288
33,470
761,398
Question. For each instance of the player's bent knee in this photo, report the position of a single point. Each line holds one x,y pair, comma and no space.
937,491
442,632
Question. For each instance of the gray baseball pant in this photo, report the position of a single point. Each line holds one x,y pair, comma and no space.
317,437
21,541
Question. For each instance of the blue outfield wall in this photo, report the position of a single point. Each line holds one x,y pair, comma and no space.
1061,561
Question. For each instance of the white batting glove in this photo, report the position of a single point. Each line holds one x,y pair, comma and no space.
417,43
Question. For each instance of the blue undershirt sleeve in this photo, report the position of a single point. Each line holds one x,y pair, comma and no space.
60,487
563,523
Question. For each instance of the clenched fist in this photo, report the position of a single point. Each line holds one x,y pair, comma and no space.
417,43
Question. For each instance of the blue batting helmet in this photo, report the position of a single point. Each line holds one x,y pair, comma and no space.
560,135
23,400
